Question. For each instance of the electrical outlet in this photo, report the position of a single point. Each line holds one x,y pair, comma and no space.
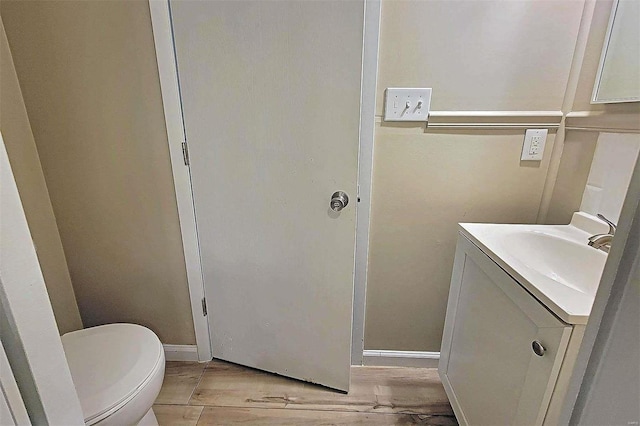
533,146
407,104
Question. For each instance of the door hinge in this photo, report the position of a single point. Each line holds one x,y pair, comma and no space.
185,153
204,307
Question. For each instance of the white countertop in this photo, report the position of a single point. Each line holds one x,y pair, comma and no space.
552,262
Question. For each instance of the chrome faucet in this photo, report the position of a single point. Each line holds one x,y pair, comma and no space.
603,241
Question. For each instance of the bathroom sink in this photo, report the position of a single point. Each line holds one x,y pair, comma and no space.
567,262
552,262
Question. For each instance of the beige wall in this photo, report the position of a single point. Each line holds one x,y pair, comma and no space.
479,55
21,148
486,56
90,84
575,163
424,184
611,170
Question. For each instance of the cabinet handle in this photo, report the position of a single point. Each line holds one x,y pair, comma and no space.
537,347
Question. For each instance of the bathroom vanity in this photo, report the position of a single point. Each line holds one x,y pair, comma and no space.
519,300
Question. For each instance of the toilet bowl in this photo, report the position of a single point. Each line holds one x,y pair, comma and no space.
117,370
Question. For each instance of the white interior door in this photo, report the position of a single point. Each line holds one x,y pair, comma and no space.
271,101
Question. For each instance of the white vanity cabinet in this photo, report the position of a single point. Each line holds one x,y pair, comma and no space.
493,329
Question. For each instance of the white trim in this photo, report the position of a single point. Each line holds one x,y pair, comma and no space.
181,353
603,56
494,119
603,121
370,45
485,120
400,358
554,116
492,126
13,408
601,129
28,329
163,40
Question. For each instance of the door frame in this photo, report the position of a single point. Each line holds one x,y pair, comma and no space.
174,121
31,352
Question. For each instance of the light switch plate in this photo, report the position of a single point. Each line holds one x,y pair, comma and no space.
533,146
407,104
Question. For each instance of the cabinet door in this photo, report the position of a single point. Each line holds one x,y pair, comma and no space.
490,369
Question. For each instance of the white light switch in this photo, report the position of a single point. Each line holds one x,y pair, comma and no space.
407,104
533,146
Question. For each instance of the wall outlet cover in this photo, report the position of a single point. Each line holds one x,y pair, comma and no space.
407,104
533,146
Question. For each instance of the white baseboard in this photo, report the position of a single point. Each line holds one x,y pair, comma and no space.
370,357
180,352
401,358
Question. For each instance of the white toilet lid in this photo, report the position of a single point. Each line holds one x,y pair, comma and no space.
109,364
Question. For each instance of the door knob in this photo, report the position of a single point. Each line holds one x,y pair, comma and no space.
537,347
339,201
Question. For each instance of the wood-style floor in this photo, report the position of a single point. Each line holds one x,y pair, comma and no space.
221,393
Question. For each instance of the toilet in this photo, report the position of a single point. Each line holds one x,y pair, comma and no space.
117,370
